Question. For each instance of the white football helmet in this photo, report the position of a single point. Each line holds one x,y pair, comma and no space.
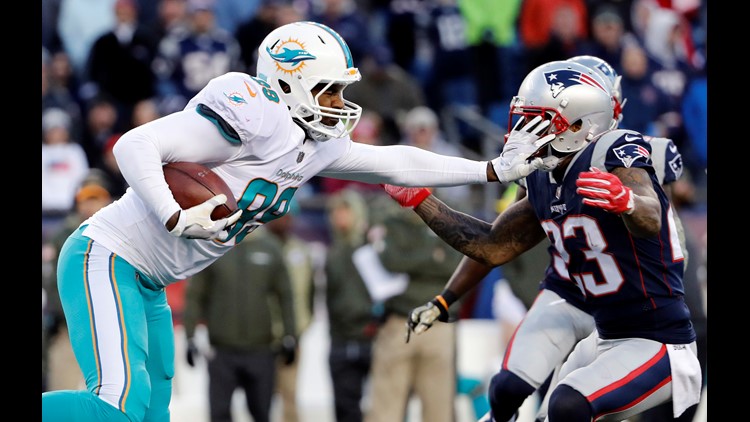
610,76
296,57
573,97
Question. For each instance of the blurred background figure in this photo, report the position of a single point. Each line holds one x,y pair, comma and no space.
351,318
125,53
425,367
421,128
186,61
607,35
235,298
64,165
299,259
60,87
80,23
646,102
387,89
344,17
100,123
63,372
171,18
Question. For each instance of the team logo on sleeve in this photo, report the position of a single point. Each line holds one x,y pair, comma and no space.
628,153
289,55
676,165
558,80
235,98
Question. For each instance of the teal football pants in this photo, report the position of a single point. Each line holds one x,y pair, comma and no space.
120,327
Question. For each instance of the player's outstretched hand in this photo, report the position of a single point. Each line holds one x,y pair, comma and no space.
604,190
196,222
407,197
421,318
516,161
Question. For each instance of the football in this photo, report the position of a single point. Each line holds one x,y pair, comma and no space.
192,184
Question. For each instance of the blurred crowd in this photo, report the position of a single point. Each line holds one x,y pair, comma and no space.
111,65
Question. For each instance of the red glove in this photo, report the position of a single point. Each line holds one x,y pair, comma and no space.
407,197
605,191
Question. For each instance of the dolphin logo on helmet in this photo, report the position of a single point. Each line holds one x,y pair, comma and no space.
290,56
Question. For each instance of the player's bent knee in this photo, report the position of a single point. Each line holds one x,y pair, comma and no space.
507,393
567,404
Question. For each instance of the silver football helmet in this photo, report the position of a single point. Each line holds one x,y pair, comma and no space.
610,76
296,57
573,97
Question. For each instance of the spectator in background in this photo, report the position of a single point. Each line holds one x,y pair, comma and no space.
622,8
449,80
120,62
251,32
646,102
402,30
344,17
607,37
108,164
143,112
171,19
80,23
59,88
234,299
64,165
563,41
666,42
695,115
425,366
231,13
351,320
298,256
386,89
63,371
50,16
420,128
101,122
188,60
536,22
491,34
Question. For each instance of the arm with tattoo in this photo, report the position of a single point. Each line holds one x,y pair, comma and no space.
514,231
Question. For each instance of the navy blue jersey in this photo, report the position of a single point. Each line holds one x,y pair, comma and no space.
632,286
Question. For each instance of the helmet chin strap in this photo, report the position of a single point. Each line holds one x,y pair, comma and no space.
309,132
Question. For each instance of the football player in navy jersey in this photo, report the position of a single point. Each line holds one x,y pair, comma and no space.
615,248
557,319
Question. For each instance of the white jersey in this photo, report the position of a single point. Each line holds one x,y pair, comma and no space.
264,158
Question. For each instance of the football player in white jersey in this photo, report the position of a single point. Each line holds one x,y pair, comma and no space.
265,135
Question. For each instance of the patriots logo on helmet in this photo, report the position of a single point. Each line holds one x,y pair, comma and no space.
290,56
560,79
628,153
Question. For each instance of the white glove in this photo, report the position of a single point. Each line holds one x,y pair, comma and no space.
513,163
196,223
422,317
